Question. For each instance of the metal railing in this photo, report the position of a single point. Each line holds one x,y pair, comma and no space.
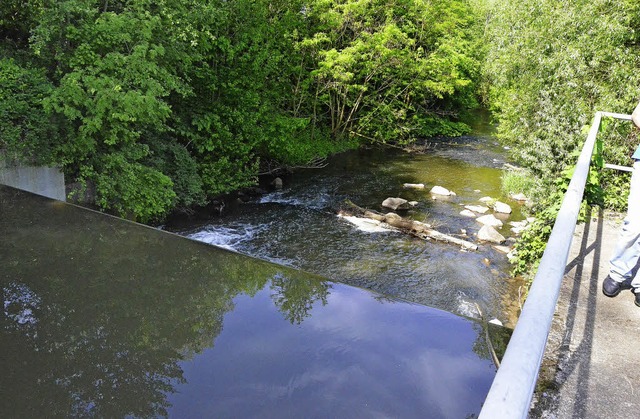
513,386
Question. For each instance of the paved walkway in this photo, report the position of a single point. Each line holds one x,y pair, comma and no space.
591,367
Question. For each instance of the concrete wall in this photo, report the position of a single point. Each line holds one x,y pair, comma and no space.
46,181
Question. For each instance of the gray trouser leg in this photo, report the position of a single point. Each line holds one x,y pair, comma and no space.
627,250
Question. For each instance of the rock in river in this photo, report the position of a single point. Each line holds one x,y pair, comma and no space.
489,220
489,234
519,197
477,208
396,204
439,190
501,207
467,213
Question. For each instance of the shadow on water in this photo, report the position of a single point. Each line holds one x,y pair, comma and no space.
106,318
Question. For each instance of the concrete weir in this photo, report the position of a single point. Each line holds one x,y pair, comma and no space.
45,181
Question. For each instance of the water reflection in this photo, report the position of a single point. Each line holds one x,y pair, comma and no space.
354,357
102,317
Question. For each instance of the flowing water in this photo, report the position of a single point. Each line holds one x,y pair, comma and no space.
299,226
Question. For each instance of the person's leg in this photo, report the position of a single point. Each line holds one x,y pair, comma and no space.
627,250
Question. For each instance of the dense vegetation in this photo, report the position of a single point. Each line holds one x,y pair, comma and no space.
164,104
550,65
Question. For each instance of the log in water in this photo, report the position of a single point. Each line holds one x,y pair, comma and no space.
415,228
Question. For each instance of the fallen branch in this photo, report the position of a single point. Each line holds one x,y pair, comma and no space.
415,228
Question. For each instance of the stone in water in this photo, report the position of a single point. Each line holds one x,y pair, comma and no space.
396,204
439,190
489,220
489,234
501,207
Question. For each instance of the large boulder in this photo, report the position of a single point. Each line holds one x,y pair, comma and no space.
439,190
501,207
396,204
481,209
467,213
489,220
490,234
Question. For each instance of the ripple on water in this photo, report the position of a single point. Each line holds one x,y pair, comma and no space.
231,237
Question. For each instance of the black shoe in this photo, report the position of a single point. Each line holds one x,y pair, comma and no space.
611,288
638,298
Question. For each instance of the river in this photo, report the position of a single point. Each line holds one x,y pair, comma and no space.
299,227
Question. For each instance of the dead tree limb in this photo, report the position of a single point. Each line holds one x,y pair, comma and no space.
415,228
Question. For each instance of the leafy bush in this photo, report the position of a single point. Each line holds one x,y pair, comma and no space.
518,181
223,175
27,133
551,65
174,160
392,72
309,145
131,190
531,245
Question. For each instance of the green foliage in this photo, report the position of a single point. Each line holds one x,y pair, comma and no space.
616,190
17,20
175,161
224,175
393,71
27,133
529,249
550,65
307,148
517,181
531,245
617,142
115,83
131,190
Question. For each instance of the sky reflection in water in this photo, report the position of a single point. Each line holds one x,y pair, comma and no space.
106,318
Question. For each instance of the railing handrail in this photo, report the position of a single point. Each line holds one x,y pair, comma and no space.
513,386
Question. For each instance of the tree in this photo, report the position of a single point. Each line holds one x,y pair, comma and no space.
551,65
393,71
